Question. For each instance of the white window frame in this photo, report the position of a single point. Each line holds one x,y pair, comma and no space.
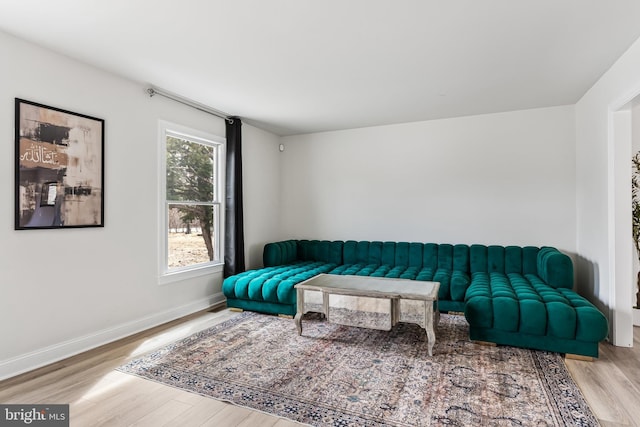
167,275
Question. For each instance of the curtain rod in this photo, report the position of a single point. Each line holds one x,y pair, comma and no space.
193,104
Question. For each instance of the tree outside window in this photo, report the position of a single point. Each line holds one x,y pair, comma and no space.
192,201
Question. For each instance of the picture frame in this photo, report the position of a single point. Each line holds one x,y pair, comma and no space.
59,168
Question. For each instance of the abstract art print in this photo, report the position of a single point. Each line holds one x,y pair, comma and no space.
59,165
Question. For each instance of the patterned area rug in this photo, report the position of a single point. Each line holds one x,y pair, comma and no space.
336,375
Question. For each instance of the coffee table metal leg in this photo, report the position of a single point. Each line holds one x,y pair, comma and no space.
395,311
428,325
325,304
300,310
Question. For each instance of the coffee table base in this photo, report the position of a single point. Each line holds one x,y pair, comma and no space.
428,320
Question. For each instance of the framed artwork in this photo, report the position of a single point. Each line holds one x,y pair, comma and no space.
59,165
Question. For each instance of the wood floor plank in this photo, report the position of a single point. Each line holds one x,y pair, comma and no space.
79,407
604,405
99,395
192,399
109,415
126,408
200,412
627,359
612,424
170,413
610,384
287,423
230,416
258,419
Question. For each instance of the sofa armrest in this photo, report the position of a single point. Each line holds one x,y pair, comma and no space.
555,268
280,253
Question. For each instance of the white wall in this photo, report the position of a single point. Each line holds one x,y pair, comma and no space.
598,208
504,179
261,179
62,291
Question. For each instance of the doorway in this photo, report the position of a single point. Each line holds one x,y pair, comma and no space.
624,141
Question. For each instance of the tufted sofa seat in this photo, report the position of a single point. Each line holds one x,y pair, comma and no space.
520,296
524,311
270,289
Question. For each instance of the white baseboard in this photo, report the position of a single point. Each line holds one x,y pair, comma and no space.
636,316
45,356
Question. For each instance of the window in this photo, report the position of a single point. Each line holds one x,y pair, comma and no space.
191,196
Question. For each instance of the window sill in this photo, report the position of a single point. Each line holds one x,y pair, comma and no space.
177,276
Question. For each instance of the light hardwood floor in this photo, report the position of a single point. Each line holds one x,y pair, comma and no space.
101,396
611,383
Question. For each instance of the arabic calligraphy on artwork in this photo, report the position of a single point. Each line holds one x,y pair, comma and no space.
42,154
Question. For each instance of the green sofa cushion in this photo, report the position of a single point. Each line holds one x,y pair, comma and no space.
555,268
273,284
280,253
526,304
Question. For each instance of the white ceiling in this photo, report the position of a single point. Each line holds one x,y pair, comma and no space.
300,66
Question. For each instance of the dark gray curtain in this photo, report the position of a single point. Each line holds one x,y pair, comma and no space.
234,226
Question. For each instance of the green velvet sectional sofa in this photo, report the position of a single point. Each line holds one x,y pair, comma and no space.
519,296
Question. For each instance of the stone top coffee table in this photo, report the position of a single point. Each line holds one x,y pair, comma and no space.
375,287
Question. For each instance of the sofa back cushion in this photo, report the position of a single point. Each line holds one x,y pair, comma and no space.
554,267
320,250
290,251
280,253
361,252
500,259
395,254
